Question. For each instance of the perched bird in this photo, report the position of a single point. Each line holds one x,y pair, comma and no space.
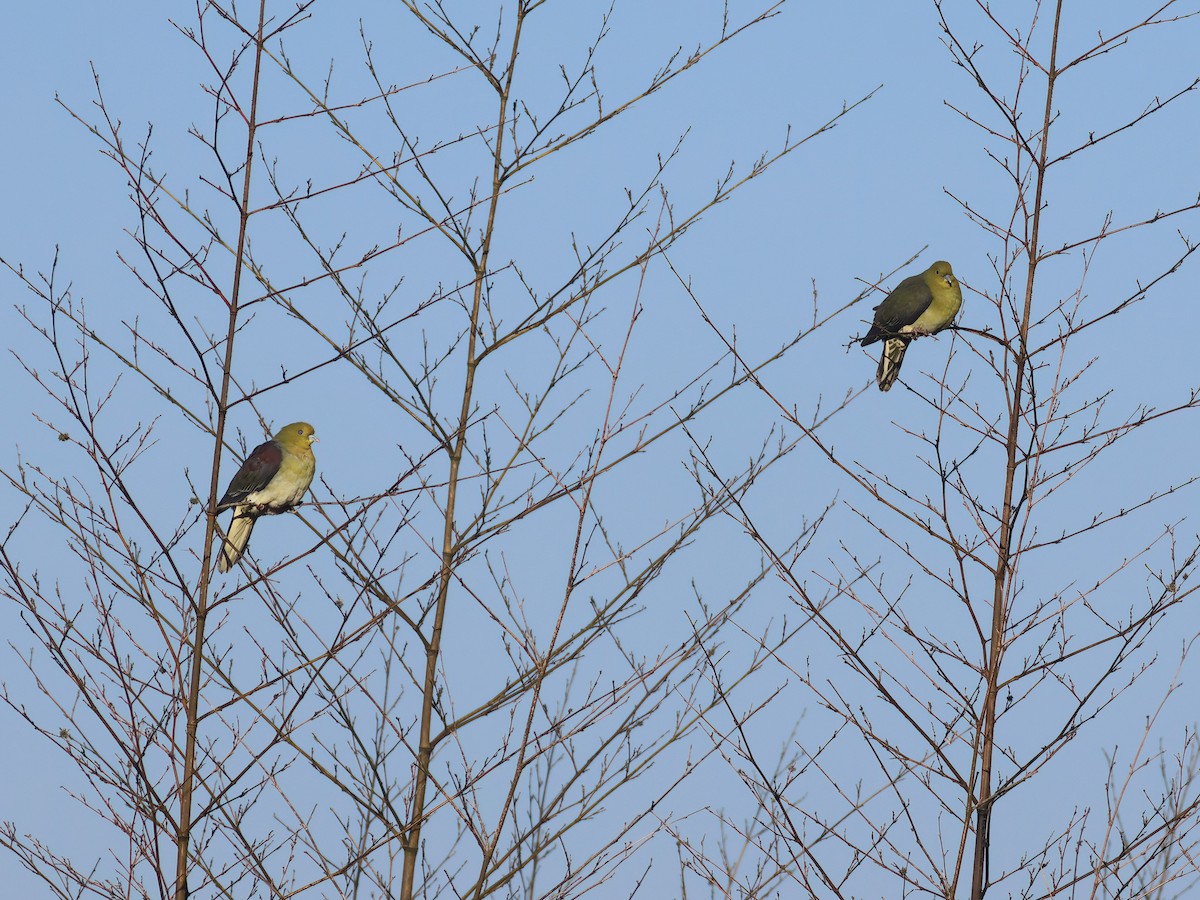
920,305
271,480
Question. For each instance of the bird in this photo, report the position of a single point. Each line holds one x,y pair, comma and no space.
920,305
272,480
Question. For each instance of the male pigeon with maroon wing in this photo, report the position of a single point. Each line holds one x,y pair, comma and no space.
271,480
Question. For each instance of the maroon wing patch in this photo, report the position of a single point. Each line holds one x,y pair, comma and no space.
254,475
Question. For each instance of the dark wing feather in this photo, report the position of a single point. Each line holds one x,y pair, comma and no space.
902,307
254,475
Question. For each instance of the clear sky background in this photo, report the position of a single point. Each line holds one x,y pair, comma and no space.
839,213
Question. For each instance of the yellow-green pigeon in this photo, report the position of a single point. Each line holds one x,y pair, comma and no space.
920,305
272,480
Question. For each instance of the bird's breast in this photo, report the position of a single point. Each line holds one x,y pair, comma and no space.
288,486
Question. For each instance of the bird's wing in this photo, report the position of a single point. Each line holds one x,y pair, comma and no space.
901,308
254,475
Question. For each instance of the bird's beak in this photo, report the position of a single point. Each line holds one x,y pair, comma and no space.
314,440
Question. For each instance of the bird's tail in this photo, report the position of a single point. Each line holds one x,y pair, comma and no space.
235,542
889,362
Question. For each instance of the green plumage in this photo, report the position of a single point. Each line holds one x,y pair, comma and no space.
920,305
273,479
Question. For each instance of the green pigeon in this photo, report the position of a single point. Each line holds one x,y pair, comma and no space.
272,480
920,305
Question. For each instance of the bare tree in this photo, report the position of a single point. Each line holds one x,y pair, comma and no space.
996,708
480,660
459,673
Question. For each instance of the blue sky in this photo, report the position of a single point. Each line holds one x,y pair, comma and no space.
844,210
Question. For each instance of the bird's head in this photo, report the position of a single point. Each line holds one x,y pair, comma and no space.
941,269
297,436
